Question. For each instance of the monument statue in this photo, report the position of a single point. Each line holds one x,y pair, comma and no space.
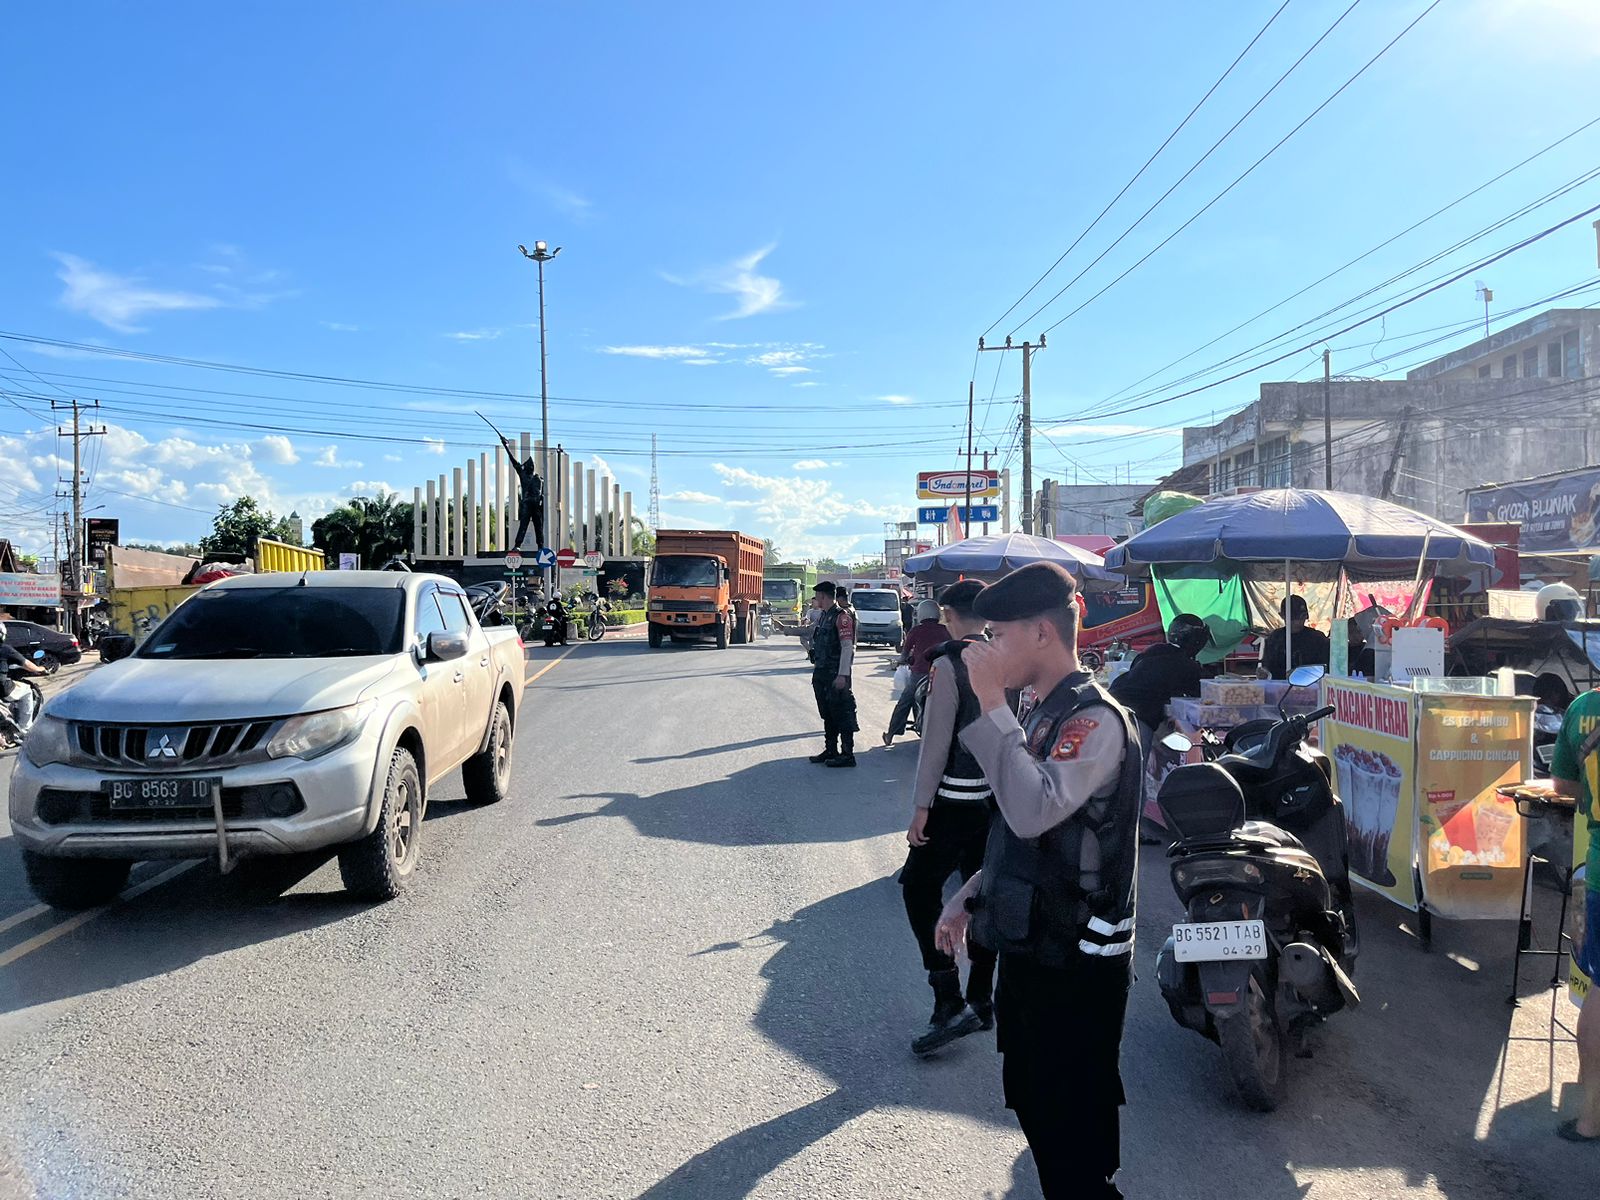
530,498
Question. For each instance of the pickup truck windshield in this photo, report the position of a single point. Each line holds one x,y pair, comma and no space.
875,601
685,571
287,622
786,591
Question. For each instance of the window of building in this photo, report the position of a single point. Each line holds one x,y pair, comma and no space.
1275,463
1485,371
1508,368
1552,360
1244,469
1219,476
1530,364
1569,352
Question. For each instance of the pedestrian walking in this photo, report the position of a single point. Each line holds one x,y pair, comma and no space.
952,803
1575,769
921,640
833,649
1055,897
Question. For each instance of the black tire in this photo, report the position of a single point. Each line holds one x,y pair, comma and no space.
488,775
75,883
378,866
653,636
722,635
1256,1050
50,663
740,631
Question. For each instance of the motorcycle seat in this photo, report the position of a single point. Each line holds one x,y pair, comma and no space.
1268,836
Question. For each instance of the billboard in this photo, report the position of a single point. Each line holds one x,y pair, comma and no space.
955,485
1557,514
29,591
98,533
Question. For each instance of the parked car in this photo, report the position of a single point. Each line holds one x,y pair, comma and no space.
60,649
271,714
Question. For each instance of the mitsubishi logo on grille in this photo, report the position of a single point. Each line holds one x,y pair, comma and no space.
163,747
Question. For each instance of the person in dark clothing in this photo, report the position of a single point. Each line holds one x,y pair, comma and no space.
833,648
922,640
949,825
16,703
1163,672
1056,895
1307,647
530,497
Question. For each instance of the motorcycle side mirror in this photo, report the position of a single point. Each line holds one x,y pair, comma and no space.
39,654
1177,743
1302,677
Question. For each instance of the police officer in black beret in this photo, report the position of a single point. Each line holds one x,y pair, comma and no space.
1055,896
833,650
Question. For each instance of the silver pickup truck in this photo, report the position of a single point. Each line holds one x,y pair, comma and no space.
271,714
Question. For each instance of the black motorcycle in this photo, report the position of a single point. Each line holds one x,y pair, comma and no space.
489,602
11,732
1269,943
764,621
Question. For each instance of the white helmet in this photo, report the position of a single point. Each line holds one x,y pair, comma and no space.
1560,597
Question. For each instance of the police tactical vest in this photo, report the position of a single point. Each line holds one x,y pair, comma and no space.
1069,892
963,782
825,644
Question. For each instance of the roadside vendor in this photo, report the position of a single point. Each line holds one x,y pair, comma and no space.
1162,673
1308,647
1575,768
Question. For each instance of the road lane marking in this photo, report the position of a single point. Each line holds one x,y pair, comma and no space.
78,920
26,914
546,667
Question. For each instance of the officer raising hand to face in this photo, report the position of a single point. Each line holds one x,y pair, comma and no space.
1056,895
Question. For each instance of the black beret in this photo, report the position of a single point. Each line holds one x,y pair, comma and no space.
960,596
1029,591
826,587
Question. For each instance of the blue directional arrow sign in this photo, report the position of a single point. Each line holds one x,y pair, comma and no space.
939,515
545,557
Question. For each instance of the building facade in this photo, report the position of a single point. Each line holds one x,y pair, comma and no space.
1066,509
1562,343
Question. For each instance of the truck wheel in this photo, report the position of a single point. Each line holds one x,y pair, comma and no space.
653,636
740,631
488,774
378,866
74,883
722,635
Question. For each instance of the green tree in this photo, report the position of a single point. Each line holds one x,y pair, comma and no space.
376,529
237,526
772,551
832,566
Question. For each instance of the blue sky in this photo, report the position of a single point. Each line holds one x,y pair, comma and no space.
783,229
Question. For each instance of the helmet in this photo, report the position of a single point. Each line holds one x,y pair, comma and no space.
1558,602
928,610
1189,633
2,632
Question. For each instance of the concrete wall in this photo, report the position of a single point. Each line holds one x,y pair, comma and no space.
1071,508
1577,329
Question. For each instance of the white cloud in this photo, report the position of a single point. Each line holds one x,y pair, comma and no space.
475,335
330,458
392,458
701,362
341,327
755,293
779,358
897,399
806,515
786,371
681,352
692,498
808,383
118,301
811,464
433,445
579,208
278,449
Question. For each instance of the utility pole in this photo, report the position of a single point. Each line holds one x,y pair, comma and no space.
1327,419
986,454
74,589
966,517
542,254
1028,350
1397,456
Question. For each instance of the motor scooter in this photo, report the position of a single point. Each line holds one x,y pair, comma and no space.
765,620
1268,943
22,706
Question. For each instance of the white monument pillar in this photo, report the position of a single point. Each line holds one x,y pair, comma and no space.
618,548
483,504
470,548
593,542
431,545
577,509
627,524
416,522
458,511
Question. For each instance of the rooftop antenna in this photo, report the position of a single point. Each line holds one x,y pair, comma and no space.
1485,294
655,489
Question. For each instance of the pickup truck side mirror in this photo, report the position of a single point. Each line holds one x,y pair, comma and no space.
443,646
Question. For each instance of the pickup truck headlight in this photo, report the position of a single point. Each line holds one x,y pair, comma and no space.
317,733
49,741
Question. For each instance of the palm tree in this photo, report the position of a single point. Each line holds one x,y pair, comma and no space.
376,529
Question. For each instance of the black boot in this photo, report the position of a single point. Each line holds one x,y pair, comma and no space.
830,751
980,996
847,754
951,1018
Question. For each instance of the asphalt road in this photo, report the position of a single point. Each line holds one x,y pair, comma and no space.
675,967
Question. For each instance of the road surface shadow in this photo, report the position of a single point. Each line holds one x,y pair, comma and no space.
192,917
728,748
773,803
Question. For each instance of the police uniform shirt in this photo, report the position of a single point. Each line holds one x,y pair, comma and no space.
1035,794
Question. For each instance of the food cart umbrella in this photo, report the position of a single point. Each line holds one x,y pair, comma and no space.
999,554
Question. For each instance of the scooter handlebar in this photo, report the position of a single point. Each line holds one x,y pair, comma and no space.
1320,713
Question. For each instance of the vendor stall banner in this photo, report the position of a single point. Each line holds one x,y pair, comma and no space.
1472,839
1556,514
18,590
1371,739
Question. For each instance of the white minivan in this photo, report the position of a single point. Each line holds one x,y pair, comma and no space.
877,605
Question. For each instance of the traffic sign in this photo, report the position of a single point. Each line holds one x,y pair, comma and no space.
978,512
566,558
545,558
513,560
595,559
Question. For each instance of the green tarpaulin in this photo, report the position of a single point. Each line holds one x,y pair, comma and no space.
1167,504
1219,602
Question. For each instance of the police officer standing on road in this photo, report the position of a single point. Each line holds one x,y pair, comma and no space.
1055,896
949,825
833,649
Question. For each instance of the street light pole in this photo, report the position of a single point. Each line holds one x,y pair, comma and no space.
542,254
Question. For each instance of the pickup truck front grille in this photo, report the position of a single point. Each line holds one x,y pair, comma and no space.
683,605
164,747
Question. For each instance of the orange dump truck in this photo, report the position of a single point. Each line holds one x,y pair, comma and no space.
705,585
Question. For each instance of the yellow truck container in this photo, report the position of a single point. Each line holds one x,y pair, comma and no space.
138,610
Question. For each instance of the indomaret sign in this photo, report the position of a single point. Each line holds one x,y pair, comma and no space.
957,485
